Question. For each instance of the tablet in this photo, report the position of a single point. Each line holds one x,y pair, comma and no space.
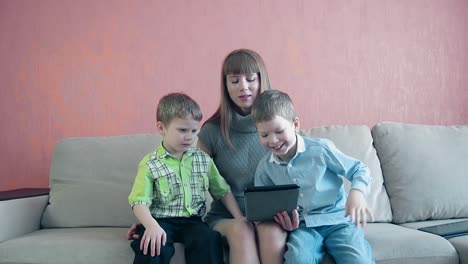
448,230
262,203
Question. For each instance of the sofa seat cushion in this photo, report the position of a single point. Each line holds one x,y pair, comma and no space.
356,141
460,243
425,170
394,244
73,245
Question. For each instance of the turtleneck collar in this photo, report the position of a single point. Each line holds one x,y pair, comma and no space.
243,124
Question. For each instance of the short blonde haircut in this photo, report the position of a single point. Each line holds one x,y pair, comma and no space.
272,103
177,105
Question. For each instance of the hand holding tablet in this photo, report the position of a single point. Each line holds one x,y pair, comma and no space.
287,221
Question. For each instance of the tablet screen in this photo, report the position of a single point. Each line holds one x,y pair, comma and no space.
264,202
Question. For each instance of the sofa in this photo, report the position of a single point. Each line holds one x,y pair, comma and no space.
420,178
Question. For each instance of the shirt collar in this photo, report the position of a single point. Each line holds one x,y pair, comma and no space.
161,152
300,148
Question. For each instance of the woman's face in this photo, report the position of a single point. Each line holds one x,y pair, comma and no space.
243,89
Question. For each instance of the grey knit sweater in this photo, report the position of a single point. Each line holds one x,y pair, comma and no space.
237,165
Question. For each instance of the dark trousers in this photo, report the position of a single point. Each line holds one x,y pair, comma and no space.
202,245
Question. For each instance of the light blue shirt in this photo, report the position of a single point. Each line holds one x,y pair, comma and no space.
317,168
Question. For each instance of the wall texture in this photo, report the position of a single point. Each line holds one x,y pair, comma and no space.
87,68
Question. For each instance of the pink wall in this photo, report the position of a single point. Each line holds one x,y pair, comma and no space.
87,68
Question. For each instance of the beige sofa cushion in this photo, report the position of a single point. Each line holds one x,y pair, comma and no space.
91,179
74,245
425,170
356,141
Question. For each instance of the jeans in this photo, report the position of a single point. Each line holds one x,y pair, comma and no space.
344,242
202,245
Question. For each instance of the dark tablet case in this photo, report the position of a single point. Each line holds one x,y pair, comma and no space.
262,203
448,230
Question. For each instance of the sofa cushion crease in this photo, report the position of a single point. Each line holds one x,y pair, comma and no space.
72,245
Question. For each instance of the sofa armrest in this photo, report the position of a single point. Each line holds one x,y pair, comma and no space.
21,211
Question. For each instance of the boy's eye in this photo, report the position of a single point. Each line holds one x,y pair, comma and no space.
263,136
279,132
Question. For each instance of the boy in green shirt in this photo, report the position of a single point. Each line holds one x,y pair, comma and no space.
168,195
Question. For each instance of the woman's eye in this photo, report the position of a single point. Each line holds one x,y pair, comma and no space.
251,79
235,81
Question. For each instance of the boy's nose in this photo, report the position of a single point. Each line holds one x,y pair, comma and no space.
272,139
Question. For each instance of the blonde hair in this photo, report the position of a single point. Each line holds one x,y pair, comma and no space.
177,105
272,103
239,61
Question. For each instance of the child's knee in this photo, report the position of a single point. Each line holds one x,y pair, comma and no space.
167,251
213,237
135,245
296,255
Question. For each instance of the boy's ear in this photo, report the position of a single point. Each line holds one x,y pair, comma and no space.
160,127
297,124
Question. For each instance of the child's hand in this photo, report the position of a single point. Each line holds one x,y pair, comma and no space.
154,237
283,219
357,209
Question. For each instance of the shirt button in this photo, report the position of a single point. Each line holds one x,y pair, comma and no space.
289,165
302,195
295,180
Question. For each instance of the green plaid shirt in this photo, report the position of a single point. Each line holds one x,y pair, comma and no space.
177,188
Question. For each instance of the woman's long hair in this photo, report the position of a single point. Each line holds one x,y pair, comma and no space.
239,61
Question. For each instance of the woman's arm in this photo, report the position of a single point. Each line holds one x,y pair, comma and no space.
231,204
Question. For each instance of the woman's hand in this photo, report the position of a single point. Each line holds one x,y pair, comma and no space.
357,208
132,232
283,219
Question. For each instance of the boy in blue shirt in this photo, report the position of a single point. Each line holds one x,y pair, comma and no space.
168,195
328,219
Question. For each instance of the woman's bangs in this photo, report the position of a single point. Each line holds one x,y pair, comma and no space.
240,64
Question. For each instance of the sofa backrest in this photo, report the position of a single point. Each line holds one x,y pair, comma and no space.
425,170
356,141
91,178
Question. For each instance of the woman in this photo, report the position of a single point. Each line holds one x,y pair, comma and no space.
230,138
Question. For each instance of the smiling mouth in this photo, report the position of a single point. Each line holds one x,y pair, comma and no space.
277,147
